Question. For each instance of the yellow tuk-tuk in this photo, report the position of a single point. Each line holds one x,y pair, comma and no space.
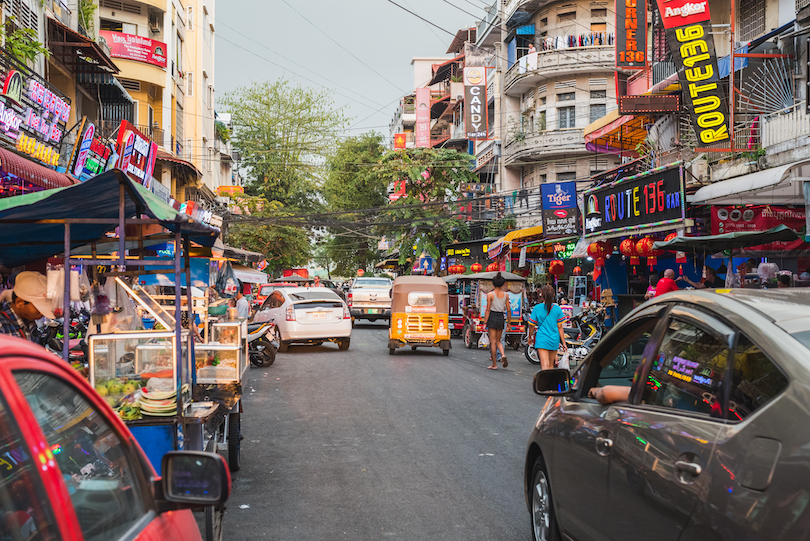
419,314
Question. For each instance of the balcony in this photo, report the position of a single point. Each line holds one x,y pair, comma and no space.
528,73
785,129
544,143
60,10
109,129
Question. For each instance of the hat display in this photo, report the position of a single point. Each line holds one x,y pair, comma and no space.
33,287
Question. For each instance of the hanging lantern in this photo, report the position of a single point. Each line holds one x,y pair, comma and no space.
598,266
680,257
492,267
556,267
595,250
607,248
628,249
670,237
461,269
476,267
644,247
577,271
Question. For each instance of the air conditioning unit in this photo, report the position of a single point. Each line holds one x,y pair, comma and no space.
154,25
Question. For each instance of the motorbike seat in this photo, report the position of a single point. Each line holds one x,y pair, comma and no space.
75,344
254,327
575,343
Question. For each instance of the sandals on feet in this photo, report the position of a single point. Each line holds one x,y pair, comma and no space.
492,367
505,362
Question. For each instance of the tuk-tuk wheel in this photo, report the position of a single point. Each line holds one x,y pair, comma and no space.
445,352
469,336
352,322
391,351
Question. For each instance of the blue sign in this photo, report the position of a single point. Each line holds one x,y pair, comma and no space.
560,211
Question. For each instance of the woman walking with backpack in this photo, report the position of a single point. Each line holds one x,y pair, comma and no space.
547,332
495,317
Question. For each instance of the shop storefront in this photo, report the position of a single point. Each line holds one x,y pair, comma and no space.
468,254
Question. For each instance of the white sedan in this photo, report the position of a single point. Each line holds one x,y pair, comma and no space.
307,315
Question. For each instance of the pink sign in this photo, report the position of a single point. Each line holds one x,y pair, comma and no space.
132,47
422,117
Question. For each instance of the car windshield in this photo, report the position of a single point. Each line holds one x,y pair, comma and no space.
324,295
803,337
371,283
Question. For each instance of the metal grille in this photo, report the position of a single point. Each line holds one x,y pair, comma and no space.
25,17
752,19
418,323
128,7
178,123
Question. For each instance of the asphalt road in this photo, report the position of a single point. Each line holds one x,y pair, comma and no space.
361,445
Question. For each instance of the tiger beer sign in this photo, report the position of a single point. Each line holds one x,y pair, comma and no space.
475,103
689,36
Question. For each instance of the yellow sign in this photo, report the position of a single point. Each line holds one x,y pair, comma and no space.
226,191
38,150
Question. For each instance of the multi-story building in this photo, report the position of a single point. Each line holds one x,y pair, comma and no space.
404,120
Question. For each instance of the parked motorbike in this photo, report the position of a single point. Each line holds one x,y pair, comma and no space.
262,343
51,337
587,328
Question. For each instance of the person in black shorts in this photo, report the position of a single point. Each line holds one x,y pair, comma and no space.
496,317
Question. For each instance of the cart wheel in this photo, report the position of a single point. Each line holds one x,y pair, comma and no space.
445,352
234,443
343,343
391,351
469,336
267,354
213,522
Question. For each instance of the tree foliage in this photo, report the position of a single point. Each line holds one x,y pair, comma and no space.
428,215
284,247
283,133
352,183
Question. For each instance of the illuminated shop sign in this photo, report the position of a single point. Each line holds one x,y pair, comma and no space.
137,154
564,251
631,34
650,199
32,117
691,43
475,103
560,212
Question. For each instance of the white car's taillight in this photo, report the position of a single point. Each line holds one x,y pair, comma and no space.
346,313
349,300
290,313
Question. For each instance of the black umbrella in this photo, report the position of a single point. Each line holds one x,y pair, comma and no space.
713,244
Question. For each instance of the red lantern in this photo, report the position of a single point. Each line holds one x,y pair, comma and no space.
461,269
476,267
577,271
492,267
670,237
607,247
628,249
556,267
644,247
595,250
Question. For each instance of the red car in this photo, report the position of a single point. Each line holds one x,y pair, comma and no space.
71,470
266,289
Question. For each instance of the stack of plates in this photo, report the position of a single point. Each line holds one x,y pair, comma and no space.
159,403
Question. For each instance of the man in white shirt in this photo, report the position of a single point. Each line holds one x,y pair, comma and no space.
242,305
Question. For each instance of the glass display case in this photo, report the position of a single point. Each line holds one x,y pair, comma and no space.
228,341
218,363
122,363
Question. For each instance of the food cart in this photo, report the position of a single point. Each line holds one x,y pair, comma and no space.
38,225
480,285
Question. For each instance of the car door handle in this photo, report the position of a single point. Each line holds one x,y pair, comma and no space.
688,467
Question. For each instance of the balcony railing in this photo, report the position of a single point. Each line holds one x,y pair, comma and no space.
158,135
589,58
546,141
785,125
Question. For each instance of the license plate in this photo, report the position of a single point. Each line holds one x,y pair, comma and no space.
373,311
320,315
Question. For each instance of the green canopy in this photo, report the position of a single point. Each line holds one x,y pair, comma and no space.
713,244
25,241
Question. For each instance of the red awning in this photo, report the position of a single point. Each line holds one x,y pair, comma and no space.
33,172
166,157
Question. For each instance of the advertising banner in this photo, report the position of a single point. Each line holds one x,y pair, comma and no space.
560,212
400,141
760,218
475,103
137,154
631,34
650,199
84,150
132,47
422,118
692,47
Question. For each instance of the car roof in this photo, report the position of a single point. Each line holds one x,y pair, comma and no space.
325,293
788,308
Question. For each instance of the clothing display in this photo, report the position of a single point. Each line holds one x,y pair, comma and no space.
575,40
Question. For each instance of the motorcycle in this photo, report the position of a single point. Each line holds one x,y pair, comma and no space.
51,337
262,343
587,328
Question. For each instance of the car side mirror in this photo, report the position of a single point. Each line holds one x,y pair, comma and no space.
195,479
554,382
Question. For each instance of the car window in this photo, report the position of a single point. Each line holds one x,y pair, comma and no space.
103,483
688,371
755,380
621,357
25,512
379,283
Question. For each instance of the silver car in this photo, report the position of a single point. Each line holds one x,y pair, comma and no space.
708,434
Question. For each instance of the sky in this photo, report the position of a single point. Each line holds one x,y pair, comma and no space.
358,50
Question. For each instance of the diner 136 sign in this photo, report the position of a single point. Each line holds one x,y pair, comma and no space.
32,117
650,199
560,211
631,34
137,154
691,43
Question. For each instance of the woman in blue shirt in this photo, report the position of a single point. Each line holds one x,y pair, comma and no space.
547,332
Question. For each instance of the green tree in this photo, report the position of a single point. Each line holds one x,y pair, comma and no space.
284,246
427,217
352,183
284,133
